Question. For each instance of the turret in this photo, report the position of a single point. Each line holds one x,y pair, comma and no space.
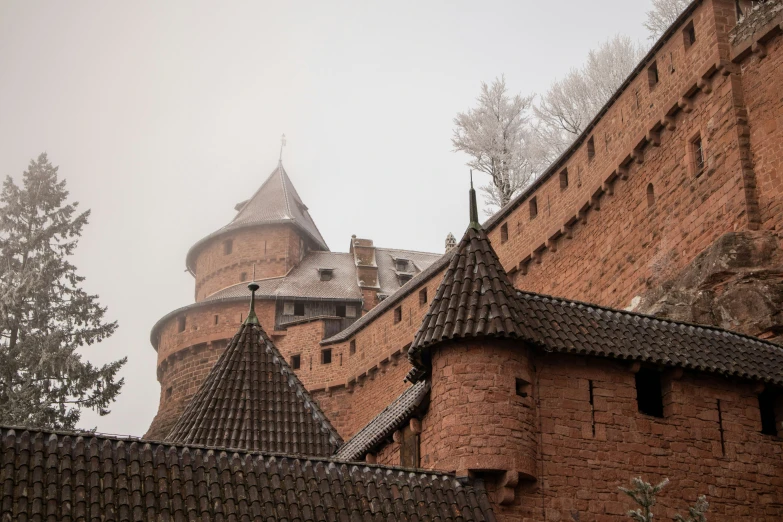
270,235
471,346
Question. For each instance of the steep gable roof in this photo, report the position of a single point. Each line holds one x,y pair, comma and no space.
252,400
83,476
275,202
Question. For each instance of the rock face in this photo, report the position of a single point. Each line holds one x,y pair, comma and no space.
736,284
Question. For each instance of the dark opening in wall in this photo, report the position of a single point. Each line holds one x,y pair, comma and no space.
563,179
522,387
650,195
352,348
533,208
652,75
296,362
217,319
181,322
228,246
340,310
169,391
689,35
326,274
698,155
423,296
243,277
649,393
504,232
590,148
299,308
326,356
397,314
769,419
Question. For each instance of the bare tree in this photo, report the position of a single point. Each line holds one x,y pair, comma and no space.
496,135
643,493
662,16
571,103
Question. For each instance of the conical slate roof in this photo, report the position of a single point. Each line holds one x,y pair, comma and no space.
474,299
275,202
252,400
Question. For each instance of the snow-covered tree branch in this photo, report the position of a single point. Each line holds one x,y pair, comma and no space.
496,135
662,16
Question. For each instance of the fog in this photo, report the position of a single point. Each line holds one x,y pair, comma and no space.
163,115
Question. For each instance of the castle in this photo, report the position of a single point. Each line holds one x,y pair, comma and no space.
616,319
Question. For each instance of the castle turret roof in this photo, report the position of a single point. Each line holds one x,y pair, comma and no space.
253,400
275,202
475,297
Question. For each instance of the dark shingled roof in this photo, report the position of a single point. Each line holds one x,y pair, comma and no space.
79,477
252,400
276,201
475,298
384,424
563,325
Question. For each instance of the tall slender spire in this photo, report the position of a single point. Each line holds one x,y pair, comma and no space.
282,144
474,222
252,318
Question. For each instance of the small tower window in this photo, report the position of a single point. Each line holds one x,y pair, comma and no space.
533,208
522,387
228,246
689,35
217,319
299,309
326,356
698,155
652,75
340,310
563,179
591,148
650,195
181,323
397,314
504,232
352,349
649,392
296,362
769,418
422,296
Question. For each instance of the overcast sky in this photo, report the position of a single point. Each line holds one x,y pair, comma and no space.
163,115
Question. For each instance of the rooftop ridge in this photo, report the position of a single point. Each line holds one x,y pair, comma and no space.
226,449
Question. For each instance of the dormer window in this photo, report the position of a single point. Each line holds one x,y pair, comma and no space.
326,273
404,278
402,265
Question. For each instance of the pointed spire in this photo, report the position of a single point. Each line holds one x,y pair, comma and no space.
252,318
474,222
282,144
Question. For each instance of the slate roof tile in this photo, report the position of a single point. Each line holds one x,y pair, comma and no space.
82,476
384,424
251,399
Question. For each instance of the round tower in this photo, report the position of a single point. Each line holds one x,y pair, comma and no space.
482,412
270,235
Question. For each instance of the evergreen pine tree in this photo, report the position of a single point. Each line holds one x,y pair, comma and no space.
45,316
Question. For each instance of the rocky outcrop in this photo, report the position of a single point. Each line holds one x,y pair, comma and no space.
736,284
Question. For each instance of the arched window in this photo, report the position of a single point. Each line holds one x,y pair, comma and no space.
650,195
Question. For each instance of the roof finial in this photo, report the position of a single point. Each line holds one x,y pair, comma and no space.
252,318
282,144
474,222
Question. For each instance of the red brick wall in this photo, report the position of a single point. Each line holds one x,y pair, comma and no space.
761,81
476,420
274,249
586,451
